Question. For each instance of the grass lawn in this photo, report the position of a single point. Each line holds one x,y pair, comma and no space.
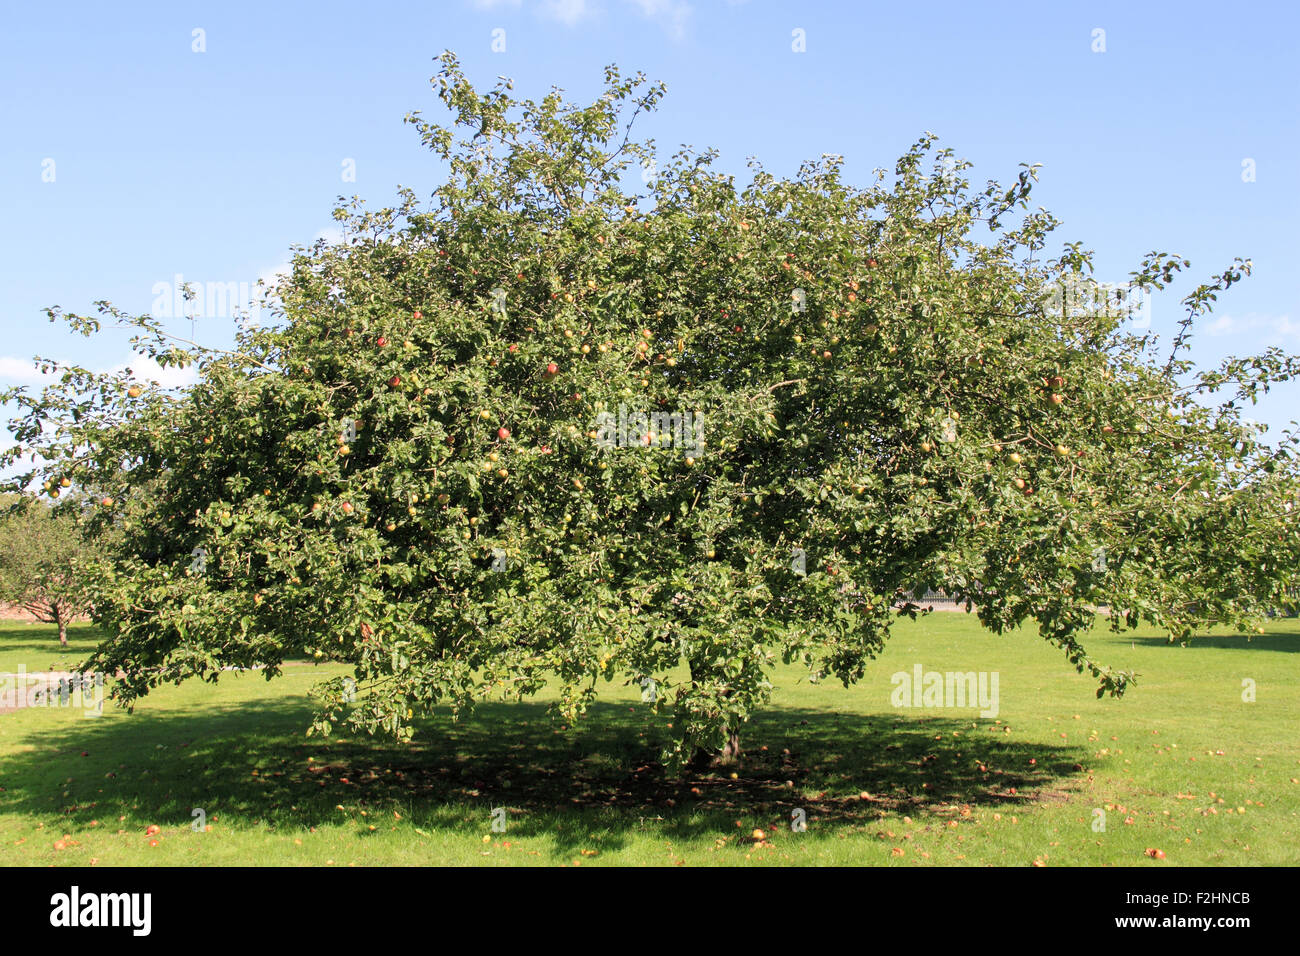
1182,764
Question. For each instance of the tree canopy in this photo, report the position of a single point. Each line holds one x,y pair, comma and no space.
42,556
569,423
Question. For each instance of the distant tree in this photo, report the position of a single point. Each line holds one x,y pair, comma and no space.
39,552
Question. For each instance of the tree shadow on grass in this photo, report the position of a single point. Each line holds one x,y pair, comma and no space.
45,637
1285,639
249,766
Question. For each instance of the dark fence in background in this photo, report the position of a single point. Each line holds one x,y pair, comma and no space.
1291,608
938,600
942,601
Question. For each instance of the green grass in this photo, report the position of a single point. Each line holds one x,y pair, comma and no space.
36,646
1178,757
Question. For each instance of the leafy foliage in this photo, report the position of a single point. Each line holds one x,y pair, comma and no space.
405,472
41,554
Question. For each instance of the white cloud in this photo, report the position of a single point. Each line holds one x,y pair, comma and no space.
672,15
1223,325
18,371
568,12
271,275
1273,329
146,368
331,234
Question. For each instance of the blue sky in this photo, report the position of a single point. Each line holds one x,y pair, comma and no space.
211,164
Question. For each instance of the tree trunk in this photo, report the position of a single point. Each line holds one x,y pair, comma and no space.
730,752
63,627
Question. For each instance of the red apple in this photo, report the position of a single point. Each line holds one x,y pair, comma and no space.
503,433
347,507
381,341
552,368
395,381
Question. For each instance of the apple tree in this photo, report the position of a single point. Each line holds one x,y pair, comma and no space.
43,551
593,414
